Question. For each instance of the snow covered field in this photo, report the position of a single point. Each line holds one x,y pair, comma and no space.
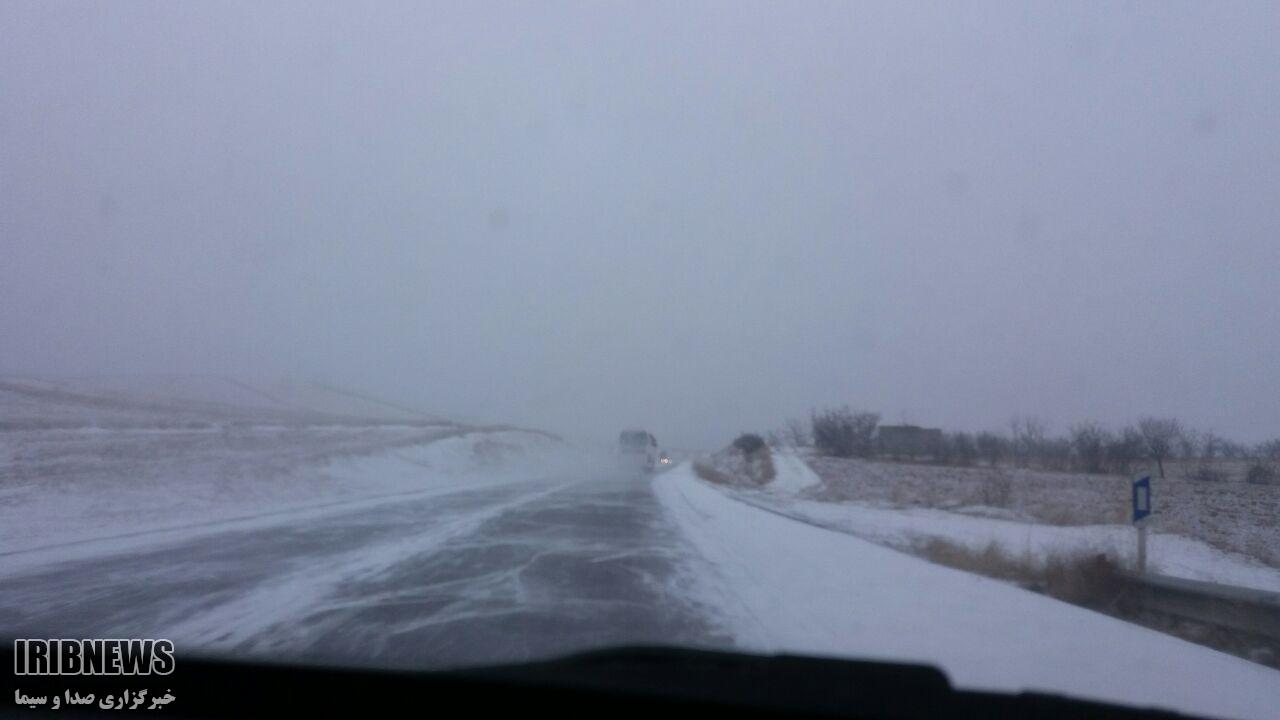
785,585
1235,518
105,458
908,528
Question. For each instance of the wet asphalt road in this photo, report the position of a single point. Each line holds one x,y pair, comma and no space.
480,575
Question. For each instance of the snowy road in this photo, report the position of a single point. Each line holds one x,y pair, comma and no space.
434,546
505,571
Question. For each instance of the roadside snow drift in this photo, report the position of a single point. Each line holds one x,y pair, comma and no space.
791,473
786,586
904,528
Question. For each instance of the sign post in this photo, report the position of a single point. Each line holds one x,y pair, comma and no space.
1142,509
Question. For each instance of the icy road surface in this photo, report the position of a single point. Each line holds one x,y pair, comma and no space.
500,572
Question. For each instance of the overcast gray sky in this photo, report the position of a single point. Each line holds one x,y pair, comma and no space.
697,217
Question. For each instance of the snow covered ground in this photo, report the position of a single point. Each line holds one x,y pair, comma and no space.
785,585
84,519
1235,517
979,527
906,527
791,474
91,460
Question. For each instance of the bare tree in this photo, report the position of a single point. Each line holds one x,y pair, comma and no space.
1089,441
1269,450
844,433
1213,447
1262,472
1055,454
1232,450
943,450
1028,439
1188,444
991,447
1159,436
864,433
796,432
1265,466
1124,450
964,451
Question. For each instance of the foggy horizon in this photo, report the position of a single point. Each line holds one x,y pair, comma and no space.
587,217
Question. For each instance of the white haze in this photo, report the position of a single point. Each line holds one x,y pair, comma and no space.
696,217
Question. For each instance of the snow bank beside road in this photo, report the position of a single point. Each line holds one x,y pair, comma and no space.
510,453
1016,533
787,586
907,527
792,473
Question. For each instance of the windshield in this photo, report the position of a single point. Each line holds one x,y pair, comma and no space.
422,335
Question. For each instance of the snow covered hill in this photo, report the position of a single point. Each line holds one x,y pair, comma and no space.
186,401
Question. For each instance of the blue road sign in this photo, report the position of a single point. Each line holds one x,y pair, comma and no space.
1141,497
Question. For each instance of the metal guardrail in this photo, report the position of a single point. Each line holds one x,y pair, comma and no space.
1227,606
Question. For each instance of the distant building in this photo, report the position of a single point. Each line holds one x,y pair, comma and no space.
908,441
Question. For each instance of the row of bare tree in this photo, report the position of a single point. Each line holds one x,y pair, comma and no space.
1088,446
